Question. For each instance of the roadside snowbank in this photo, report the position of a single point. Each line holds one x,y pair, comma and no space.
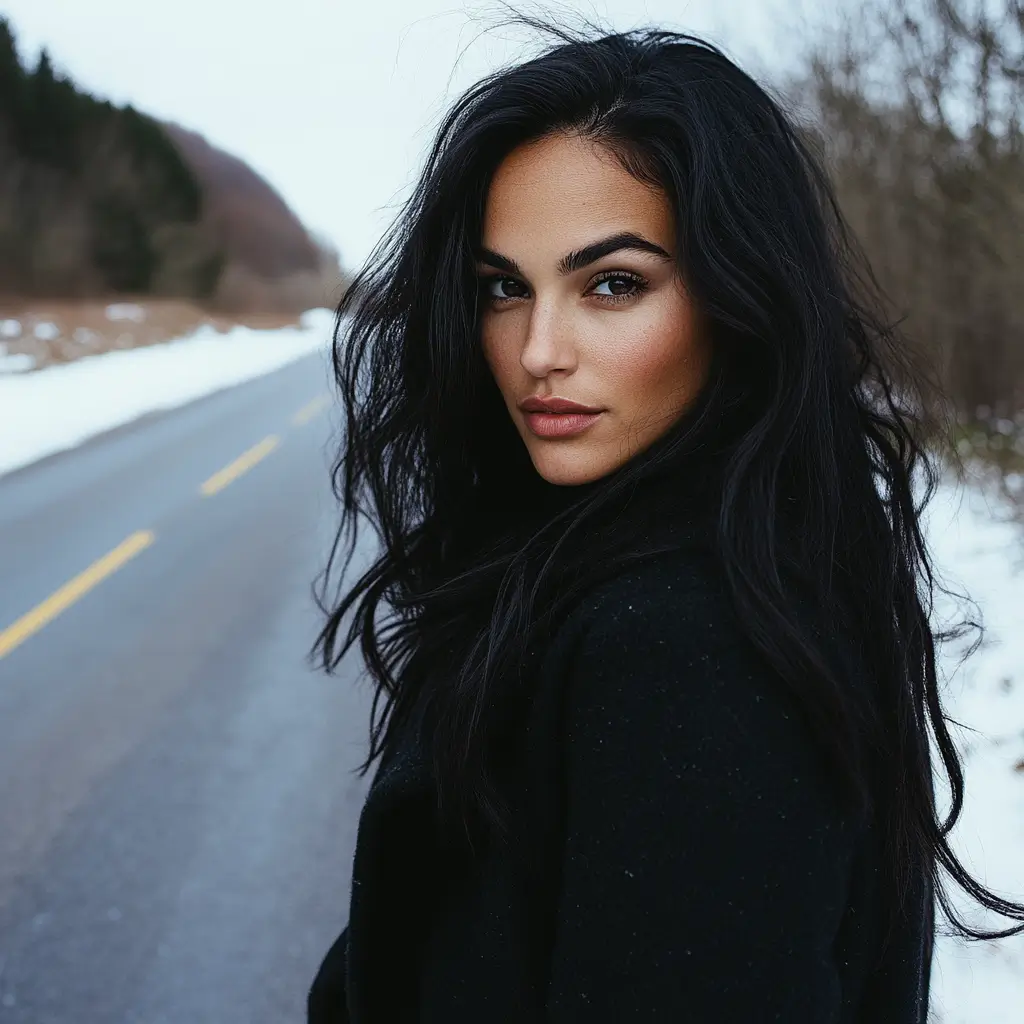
980,552
62,406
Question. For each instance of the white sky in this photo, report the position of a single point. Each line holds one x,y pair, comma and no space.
334,102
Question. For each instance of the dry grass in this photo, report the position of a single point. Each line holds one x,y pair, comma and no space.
58,330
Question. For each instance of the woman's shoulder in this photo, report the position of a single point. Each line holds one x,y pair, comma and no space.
679,598
660,655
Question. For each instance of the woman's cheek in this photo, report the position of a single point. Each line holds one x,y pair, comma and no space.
651,368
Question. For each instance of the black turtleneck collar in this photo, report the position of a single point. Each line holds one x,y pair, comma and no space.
649,501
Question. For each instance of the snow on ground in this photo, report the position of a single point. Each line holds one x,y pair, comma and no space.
61,406
972,983
981,554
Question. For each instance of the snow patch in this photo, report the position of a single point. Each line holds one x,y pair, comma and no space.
14,362
125,311
46,331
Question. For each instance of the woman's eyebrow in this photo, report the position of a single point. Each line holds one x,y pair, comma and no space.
580,258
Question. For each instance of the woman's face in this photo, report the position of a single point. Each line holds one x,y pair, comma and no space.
581,300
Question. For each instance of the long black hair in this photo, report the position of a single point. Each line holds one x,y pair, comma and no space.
813,395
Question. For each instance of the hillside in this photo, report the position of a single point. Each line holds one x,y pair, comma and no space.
251,221
271,261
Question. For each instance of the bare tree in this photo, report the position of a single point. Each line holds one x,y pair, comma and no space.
919,106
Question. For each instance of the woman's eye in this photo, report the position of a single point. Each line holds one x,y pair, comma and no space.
619,286
502,287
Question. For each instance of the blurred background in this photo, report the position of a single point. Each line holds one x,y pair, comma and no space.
185,191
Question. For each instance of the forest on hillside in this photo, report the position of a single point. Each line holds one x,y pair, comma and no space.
103,200
94,198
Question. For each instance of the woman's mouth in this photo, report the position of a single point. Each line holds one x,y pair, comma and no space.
559,424
554,416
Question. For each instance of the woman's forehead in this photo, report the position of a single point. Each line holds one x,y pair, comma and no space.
562,192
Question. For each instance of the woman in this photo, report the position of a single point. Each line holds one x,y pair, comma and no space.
656,672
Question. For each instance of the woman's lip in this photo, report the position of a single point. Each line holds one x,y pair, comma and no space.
559,424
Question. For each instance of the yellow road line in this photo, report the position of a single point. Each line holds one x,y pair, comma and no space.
246,461
309,410
62,599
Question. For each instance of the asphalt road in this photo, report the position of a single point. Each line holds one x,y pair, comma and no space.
177,800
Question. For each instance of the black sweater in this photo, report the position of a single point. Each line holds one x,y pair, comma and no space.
680,853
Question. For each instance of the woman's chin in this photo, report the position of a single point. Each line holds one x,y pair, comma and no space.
567,465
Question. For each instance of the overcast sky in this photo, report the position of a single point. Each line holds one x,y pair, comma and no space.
333,101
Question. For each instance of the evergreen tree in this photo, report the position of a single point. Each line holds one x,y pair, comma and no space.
49,130
50,119
12,77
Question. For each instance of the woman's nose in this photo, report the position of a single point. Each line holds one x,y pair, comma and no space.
549,343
